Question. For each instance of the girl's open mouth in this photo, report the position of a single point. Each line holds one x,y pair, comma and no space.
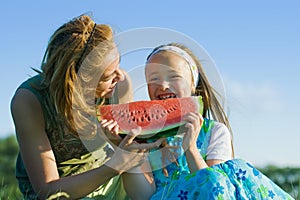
166,96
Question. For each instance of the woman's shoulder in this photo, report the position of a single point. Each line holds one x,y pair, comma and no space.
26,95
32,82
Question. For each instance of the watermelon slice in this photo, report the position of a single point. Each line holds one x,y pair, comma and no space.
157,118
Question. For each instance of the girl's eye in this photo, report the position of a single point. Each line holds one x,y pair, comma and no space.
153,79
176,76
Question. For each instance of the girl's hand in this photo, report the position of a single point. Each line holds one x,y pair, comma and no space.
111,130
129,153
194,122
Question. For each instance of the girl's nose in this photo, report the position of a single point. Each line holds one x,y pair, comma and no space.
164,85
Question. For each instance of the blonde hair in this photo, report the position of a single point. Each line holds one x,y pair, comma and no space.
68,69
212,106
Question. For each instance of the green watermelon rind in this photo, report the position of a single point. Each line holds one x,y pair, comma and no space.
162,134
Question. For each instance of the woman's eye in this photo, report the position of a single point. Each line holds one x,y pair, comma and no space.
107,78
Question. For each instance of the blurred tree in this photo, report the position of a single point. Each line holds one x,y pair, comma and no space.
286,177
8,153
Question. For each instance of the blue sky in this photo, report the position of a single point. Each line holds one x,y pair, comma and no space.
255,46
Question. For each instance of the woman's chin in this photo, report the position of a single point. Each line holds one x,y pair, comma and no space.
109,94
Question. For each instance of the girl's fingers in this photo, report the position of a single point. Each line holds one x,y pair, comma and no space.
189,126
191,117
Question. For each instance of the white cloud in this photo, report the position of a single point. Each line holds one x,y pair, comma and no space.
258,97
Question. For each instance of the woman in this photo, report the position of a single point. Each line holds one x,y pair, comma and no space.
63,152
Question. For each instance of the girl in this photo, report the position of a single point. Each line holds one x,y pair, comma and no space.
198,162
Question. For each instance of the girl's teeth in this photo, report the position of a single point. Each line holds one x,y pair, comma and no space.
167,97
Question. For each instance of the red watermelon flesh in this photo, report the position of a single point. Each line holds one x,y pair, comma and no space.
152,116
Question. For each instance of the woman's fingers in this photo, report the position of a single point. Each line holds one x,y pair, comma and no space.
146,146
115,130
130,137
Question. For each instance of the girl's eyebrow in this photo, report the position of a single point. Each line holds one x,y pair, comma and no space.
172,71
153,73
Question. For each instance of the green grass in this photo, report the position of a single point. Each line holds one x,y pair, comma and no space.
10,192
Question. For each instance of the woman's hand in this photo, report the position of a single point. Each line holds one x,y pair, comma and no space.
194,122
129,153
111,131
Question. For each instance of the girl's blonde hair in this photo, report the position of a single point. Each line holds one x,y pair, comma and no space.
71,62
212,106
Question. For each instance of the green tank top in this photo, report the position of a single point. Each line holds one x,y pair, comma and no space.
72,156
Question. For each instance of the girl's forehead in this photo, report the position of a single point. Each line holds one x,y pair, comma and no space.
167,61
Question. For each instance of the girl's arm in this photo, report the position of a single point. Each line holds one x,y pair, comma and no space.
219,149
39,159
189,143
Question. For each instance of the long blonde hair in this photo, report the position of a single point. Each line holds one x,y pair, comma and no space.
68,70
212,106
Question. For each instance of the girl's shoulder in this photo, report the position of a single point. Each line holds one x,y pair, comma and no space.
214,126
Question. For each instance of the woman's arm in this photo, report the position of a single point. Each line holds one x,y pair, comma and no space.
38,156
139,182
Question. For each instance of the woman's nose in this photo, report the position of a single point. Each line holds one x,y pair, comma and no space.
120,75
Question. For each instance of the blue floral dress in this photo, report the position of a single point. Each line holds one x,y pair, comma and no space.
233,179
